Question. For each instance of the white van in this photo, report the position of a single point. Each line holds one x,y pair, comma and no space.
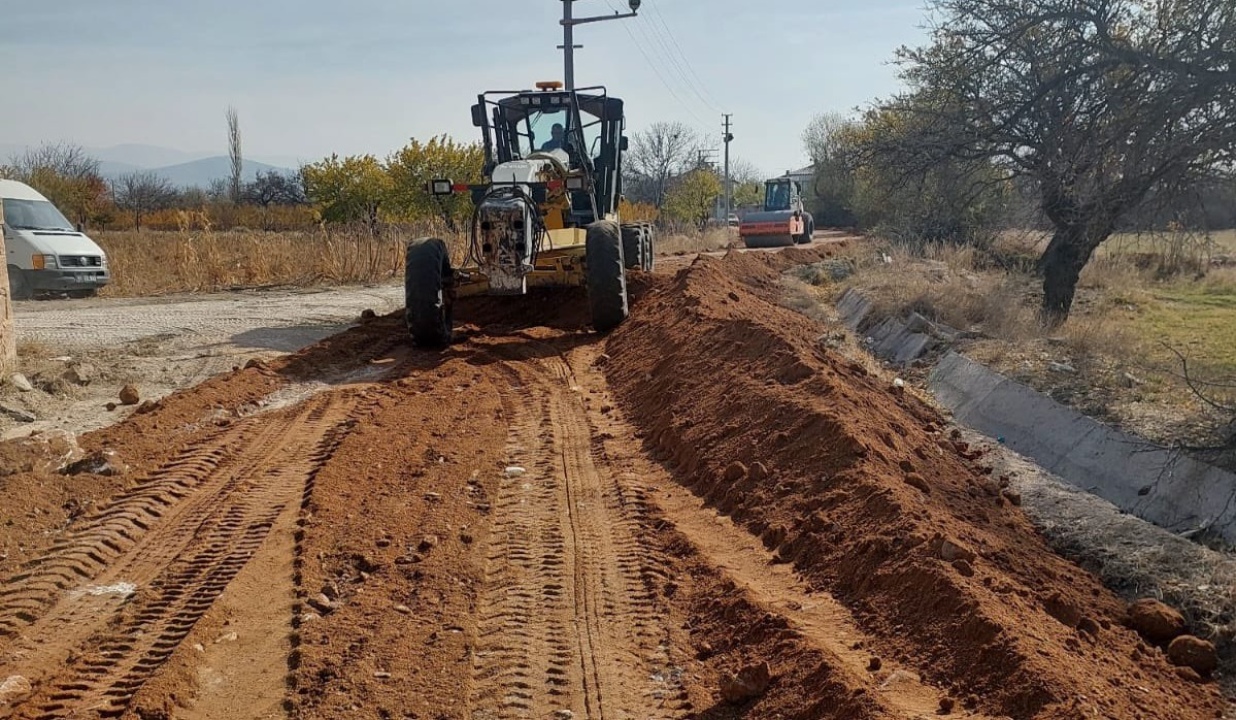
45,253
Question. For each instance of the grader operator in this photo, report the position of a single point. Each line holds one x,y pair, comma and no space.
546,214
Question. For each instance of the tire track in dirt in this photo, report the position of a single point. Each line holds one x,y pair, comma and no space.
198,522
567,622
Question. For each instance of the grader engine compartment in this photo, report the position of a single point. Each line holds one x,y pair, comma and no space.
506,241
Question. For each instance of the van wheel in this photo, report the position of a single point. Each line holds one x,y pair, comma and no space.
19,287
83,294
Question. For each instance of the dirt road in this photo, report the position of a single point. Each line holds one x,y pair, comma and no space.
541,522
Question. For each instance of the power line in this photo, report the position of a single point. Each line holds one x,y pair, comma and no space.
656,13
660,39
673,93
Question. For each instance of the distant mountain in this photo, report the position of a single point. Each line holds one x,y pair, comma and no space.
110,169
200,173
144,156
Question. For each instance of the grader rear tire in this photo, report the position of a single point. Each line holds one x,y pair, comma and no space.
607,275
632,246
650,255
428,296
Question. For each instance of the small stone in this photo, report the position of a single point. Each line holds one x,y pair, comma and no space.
129,395
227,637
1191,652
80,374
750,682
382,675
323,604
383,542
564,715
111,407
23,385
758,471
950,551
403,609
147,406
1090,626
946,705
1061,609
199,647
17,414
308,617
874,664
254,363
918,481
964,568
433,497
735,471
466,538
1013,497
368,314
1061,368
428,543
1156,622
14,689
515,471
733,296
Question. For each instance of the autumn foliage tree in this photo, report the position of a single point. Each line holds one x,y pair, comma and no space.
66,175
352,189
413,167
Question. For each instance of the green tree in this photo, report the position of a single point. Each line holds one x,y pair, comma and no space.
356,188
693,197
414,166
749,194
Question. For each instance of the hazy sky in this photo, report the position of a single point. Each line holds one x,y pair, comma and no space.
312,77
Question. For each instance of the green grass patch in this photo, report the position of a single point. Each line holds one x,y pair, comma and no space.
1198,320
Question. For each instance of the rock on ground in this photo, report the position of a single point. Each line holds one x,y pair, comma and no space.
1191,652
1156,622
750,682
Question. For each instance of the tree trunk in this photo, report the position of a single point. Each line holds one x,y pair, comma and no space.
1061,265
8,341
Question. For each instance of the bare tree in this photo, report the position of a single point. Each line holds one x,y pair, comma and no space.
829,141
233,148
275,188
141,193
66,174
657,155
1096,102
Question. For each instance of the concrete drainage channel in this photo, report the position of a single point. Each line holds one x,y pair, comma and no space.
1119,505
1156,484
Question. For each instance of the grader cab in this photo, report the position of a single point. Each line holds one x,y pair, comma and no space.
545,215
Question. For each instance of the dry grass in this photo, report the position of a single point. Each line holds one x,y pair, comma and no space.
157,263
1114,359
687,243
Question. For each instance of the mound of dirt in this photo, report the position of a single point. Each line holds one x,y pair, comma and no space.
859,487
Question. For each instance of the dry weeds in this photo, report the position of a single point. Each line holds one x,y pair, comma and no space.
157,263
688,243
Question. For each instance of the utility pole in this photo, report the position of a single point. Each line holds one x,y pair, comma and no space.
728,137
569,21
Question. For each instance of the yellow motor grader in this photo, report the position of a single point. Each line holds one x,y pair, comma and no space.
545,215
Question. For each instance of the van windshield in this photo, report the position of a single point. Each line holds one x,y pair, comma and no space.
34,215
